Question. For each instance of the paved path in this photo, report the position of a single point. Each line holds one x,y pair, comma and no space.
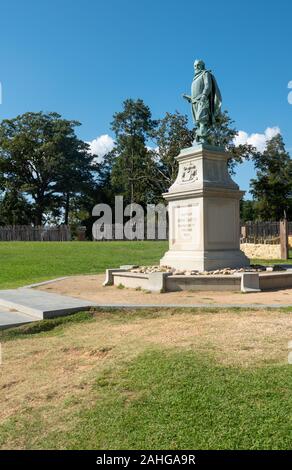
24,305
32,305
9,318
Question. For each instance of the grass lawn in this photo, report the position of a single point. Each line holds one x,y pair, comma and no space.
177,379
161,378
28,262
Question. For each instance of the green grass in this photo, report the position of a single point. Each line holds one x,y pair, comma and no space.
29,262
165,397
180,400
172,399
273,261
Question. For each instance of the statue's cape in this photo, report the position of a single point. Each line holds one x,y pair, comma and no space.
215,97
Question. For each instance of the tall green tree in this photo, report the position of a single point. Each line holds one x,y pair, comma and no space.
41,156
272,187
76,179
101,191
104,191
223,134
133,162
172,135
247,210
14,208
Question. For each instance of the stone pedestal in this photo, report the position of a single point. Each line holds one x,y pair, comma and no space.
204,226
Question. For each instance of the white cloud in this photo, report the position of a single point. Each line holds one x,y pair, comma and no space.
101,145
259,141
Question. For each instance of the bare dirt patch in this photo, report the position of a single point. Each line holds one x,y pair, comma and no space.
90,288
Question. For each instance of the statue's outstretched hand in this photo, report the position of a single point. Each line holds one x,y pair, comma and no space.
187,97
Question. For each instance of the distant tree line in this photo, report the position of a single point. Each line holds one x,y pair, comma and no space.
48,175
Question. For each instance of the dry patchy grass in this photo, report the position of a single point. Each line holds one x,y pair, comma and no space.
48,372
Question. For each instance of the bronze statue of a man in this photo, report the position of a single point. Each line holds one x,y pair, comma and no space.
205,100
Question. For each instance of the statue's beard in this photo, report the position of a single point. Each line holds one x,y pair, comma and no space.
198,72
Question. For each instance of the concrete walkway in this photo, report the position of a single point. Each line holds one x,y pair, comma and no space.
10,318
23,305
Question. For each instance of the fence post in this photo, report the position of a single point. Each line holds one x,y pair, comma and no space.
81,233
244,231
284,238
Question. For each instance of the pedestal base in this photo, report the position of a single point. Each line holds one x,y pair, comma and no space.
203,203
205,260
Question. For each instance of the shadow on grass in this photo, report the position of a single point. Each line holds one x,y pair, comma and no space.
171,399
179,400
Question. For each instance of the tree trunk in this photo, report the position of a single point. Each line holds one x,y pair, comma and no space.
67,208
39,211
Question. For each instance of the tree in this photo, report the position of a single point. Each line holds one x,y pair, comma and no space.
133,162
14,209
100,191
41,156
247,210
104,191
76,179
273,184
172,135
222,134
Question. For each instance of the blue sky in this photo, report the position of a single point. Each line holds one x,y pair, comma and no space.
83,58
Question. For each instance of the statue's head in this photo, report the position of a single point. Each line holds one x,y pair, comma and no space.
199,65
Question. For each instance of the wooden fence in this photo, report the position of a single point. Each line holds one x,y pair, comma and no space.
269,233
251,232
260,232
28,233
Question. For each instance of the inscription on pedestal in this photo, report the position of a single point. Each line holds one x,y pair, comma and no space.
186,225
